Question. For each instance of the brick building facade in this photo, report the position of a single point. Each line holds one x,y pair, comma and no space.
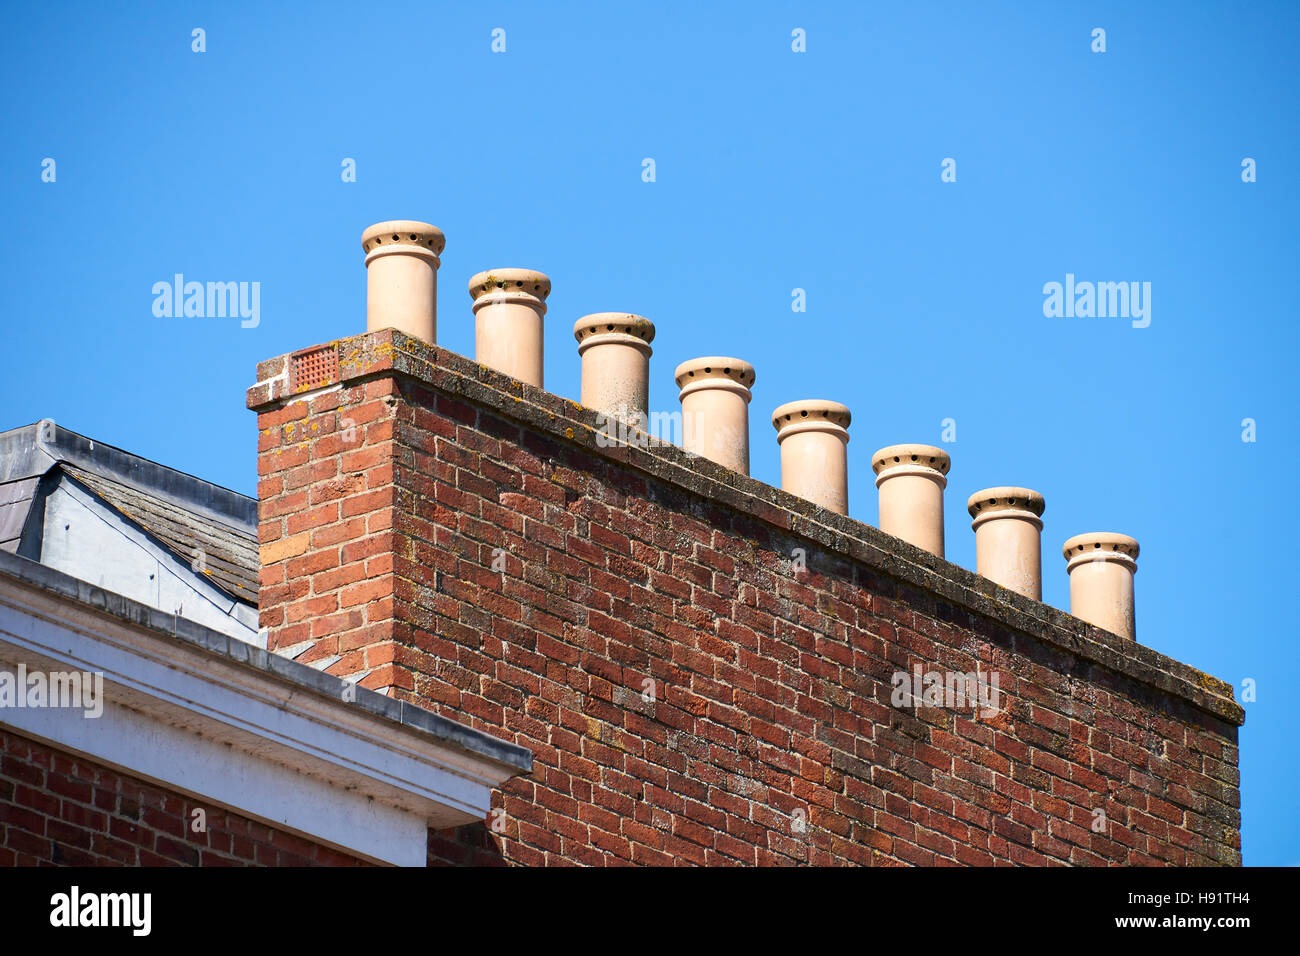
63,809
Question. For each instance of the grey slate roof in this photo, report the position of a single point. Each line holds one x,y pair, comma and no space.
229,554
15,503
181,512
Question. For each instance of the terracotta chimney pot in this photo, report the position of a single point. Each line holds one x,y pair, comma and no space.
814,437
911,479
402,277
1101,566
715,409
508,309
1008,540
615,351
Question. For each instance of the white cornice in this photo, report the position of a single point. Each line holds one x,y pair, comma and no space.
235,726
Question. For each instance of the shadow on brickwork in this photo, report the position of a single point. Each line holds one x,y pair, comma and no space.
470,845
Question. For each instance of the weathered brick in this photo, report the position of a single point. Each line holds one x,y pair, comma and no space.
514,577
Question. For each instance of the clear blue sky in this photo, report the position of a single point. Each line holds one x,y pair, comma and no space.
775,171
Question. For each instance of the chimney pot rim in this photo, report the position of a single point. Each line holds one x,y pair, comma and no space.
810,411
707,367
1100,545
1005,498
381,233
624,323
920,456
529,281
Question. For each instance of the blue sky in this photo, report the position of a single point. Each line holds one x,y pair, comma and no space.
775,170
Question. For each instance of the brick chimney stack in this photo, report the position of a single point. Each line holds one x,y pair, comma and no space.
704,670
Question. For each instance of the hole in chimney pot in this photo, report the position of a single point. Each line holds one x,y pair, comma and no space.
897,459
396,238
413,237
803,414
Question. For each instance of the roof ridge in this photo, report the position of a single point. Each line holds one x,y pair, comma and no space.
35,448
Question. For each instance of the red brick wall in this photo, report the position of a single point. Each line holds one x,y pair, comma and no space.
56,808
383,504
